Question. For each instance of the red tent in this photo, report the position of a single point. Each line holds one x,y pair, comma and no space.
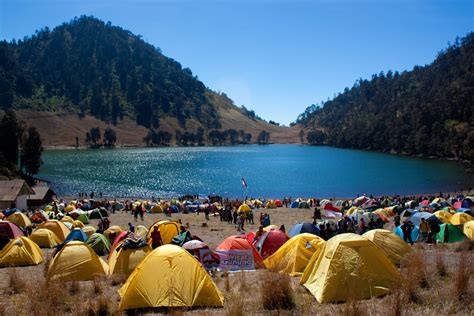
11,229
239,243
118,239
278,203
270,242
330,207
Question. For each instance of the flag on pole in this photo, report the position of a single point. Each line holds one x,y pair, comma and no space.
244,183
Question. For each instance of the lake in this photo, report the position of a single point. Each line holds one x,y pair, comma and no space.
270,171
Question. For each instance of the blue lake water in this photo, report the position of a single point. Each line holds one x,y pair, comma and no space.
270,171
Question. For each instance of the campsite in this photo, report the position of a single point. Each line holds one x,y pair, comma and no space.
294,272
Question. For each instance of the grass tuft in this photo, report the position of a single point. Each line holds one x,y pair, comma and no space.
276,291
461,280
16,284
440,266
235,305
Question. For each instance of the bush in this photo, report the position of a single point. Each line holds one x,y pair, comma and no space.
276,291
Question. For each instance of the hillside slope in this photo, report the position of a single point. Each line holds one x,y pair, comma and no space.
427,111
87,73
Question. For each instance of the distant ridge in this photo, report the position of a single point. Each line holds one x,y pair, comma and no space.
96,73
427,111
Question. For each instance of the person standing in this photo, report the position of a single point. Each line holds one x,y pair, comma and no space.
156,240
424,230
407,228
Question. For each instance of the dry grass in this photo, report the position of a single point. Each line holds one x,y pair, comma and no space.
466,245
440,266
235,305
414,276
461,280
396,302
431,294
16,282
276,291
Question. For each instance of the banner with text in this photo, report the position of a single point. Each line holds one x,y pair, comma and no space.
227,260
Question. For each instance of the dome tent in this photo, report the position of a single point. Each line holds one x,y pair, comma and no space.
99,243
182,282
124,260
57,227
11,229
45,238
167,230
76,261
392,245
270,242
76,234
449,233
239,243
304,228
468,229
348,265
20,219
21,251
295,254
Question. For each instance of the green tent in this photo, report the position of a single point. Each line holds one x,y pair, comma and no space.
83,218
449,233
99,243
182,238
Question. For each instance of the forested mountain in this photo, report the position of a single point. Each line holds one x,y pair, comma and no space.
93,68
426,111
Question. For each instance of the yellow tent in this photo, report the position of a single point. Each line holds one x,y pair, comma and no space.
468,229
78,224
76,261
270,227
45,238
244,208
20,219
157,209
113,230
348,265
271,204
89,230
69,208
295,254
169,276
141,231
57,227
21,251
392,245
67,219
460,218
443,216
167,230
123,261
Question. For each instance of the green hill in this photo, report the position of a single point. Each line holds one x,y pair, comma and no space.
427,111
104,75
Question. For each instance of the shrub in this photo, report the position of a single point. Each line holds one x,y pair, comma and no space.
276,291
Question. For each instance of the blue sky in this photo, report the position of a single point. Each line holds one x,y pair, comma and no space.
276,57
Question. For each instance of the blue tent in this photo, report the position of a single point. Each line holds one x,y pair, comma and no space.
303,228
467,203
416,218
174,208
415,233
76,234
10,211
294,204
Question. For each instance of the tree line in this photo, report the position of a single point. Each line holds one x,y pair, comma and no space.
94,140
427,111
20,148
92,67
156,138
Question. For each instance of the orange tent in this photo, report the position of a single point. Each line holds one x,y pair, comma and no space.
239,243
